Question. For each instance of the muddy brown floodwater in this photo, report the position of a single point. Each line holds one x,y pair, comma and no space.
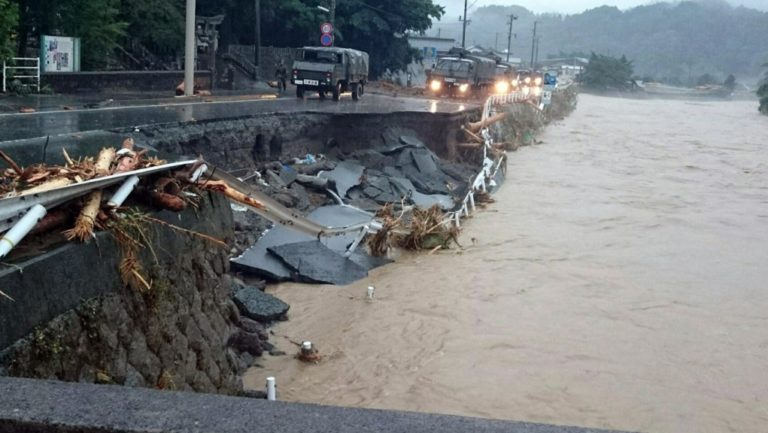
620,281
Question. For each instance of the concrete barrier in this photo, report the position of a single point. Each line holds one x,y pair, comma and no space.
33,406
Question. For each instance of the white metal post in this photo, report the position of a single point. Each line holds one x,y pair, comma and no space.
5,76
190,50
37,63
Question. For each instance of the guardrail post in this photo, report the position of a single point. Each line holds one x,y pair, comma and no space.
5,76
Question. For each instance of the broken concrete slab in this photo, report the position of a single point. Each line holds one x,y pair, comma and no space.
424,160
313,262
259,261
288,175
406,188
346,175
259,306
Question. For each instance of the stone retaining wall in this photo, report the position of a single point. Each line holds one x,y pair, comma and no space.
83,324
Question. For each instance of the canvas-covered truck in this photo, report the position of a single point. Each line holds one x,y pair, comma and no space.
462,74
330,70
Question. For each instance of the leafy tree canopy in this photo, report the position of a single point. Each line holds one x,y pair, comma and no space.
762,93
606,72
9,19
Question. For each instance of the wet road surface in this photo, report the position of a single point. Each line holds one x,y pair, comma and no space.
16,126
619,281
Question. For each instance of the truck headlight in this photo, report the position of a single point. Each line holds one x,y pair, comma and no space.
537,91
463,88
515,83
527,80
502,87
538,81
435,85
526,90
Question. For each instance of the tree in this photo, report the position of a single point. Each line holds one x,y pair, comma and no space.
730,83
762,93
378,27
156,24
96,23
606,72
706,80
9,20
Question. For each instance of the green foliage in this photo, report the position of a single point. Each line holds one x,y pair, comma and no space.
606,72
157,24
374,26
9,20
96,23
706,80
762,93
730,83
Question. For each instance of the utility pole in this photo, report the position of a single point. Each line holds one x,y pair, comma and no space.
257,39
512,18
538,44
190,49
464,27
533,42
333,15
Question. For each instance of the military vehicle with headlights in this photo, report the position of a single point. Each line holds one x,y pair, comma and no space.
462,74
506,79
330,70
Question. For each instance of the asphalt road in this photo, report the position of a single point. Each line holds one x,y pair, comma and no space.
17,126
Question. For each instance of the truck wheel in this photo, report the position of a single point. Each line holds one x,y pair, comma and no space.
337,92
356,91
321,94
361,89
300,92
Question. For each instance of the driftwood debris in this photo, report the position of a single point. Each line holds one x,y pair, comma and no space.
476,127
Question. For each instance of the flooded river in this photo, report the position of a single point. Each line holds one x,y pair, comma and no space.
620,281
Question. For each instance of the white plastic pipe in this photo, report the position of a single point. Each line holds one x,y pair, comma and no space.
472,201
21,229
271,389
123,192
371,289
307,345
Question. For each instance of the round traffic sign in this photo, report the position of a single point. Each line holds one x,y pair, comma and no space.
326,28
326,40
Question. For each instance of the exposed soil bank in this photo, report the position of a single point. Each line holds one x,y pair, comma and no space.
619,281
244,142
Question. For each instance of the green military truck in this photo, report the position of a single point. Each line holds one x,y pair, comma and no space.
330,69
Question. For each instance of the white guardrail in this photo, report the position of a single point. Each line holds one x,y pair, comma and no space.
491,167
24,69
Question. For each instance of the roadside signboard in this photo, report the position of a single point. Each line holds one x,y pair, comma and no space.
326,40
326,28
59,54
546,94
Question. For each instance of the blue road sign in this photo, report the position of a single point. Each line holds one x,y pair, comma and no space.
326,40
550,79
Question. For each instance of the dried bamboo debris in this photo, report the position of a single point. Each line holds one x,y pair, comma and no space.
86,221
224,188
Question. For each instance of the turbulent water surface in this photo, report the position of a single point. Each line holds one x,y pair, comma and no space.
620,281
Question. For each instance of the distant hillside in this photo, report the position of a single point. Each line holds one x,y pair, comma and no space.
675,42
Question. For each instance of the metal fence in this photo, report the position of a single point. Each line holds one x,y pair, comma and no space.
24,69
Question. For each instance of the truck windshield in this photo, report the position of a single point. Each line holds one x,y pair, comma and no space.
321,57
501,70
452,66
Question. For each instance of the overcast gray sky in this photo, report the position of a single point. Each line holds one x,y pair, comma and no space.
456,7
